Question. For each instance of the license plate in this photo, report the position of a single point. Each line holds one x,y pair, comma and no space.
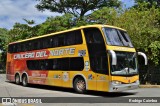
129,86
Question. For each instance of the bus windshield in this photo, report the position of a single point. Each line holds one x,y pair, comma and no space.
126,64
117,37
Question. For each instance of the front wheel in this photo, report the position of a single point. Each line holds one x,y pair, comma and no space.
24,80
79,85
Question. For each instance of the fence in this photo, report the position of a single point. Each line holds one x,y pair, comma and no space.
149,74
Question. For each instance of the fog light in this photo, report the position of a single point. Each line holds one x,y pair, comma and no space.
114,88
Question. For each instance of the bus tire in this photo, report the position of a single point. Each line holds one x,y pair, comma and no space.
79,85
24,80
17,79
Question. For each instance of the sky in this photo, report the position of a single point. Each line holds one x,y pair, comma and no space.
12,11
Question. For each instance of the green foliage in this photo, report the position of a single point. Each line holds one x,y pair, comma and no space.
18,32
29,22
150,3
78,8
53,24
155,48
142,24
22,31
3,34
3,45
104,16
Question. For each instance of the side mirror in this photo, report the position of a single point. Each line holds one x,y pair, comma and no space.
114,57
144,56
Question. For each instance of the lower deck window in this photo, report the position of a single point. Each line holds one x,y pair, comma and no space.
66,64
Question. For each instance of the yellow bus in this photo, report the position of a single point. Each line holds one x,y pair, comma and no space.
92,57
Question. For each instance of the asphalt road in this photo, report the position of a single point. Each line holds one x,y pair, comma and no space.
8,89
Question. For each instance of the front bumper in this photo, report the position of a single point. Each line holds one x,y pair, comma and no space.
123,87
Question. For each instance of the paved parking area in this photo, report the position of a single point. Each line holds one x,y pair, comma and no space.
8,89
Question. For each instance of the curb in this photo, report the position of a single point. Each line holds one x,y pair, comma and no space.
149,86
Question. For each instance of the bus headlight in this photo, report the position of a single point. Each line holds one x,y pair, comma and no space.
116,82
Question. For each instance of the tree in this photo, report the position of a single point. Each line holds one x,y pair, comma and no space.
106,15
78,8
29,22
3,38
142,24
54,24
156,3
3,46
23,31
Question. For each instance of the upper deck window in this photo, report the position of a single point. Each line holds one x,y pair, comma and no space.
117,37
58,40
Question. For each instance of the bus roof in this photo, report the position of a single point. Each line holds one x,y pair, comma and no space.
81,27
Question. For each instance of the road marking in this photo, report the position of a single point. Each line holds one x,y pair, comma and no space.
27,105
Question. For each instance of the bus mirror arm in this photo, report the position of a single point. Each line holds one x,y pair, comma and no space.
114,57
144,56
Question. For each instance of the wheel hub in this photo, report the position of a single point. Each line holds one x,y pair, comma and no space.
81,85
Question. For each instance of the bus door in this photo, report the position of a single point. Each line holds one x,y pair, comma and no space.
101,71
64,66
57,78
55,73
98,57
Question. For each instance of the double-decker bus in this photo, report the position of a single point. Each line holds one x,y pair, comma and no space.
93,57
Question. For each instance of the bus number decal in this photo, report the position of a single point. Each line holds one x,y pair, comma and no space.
81,52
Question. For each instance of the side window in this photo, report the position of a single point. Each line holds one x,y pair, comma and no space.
45,42
65,64
73,38
55,65
31,65
42,64
24,47
78,37
38,43
14,48
30,46
64,39
50,42
93,35
54,41
69,38
76,63
97,50
18,47
61,40
9,49
27,46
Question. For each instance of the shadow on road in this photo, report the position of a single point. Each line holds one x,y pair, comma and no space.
70,90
